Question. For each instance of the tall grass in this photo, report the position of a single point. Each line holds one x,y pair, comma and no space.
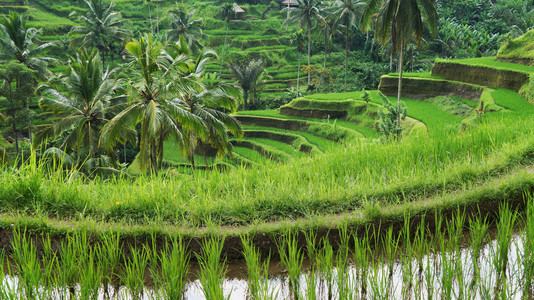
338,181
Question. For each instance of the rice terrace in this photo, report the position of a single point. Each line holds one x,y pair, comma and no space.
257,149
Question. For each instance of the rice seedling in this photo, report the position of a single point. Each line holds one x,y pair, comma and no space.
407,259
174,264
361,258
7,291
478,229
420,248
325,267
90,268
291,258
500,255
24,254
133,277
110,253
212,268
528,253
258,271
48,261
67,265
342,261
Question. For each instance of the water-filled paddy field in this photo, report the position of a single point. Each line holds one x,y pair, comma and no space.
466,256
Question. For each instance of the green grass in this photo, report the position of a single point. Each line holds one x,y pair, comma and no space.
491,63
513,101
521,47
250,154
280,146
416,75
366,132
322,143
336,182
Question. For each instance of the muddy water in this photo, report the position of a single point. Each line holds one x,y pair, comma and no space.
380,283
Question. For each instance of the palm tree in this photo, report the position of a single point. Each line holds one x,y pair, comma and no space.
348,13
100,28
298,39
249,76
402,21
81,103
207,98
227,12
151,106
18,41
305,15
183,25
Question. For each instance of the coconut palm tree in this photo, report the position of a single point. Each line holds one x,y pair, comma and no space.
207,98
348,14
249,76
402,21
19,41
151,105
81,103
298,40
306,14
183,25
100,27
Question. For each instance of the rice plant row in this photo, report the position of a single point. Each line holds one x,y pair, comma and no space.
457,257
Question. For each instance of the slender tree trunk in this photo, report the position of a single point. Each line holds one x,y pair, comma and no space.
401,61
157,17
204,154
245,98
224,47
309,51
16,137
150,17
287,19
346,57
298,75
391,62
160,151
193,157
325,46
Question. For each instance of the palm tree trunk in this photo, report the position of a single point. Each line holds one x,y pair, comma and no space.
224,47
401,61
325,46
298,75
16,137
157,17
391,62
193,157
150,17
309,51
346,57
160,151
245,98
287,19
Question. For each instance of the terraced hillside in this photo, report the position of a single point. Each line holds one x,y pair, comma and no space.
445,98
258,33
